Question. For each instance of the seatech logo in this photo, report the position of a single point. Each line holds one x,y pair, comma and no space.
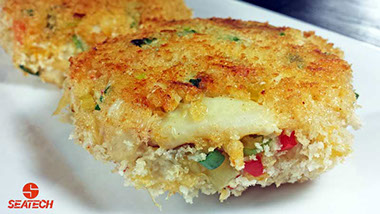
30,191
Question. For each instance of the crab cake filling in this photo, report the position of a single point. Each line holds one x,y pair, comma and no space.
221,117
213,106
217,119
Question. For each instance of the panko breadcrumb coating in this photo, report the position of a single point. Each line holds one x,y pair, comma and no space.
213,105
42,35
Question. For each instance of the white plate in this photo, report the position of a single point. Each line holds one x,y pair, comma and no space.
35,147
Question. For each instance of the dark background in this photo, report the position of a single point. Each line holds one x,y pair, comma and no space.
359,19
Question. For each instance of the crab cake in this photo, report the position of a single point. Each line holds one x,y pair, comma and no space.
213,105
42,35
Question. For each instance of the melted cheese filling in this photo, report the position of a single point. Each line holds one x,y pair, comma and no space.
224,117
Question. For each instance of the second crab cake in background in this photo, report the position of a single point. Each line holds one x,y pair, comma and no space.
42,35
213,105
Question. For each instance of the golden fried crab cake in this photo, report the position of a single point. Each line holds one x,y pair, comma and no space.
42,35
213,105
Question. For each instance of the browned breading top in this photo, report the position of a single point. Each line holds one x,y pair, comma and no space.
298,75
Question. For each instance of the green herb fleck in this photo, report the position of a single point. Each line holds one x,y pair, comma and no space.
141,76
282,34
97,107
28,70
356,95
233,38
107,89
189,30
143,41
195,82
253,150
133,24
135,20
249,152
297,59
72,24
101,98
78,43
267,143
29,12
133,13
213,160
186,31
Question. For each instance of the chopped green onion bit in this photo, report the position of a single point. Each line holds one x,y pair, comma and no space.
143,41
356,95
186,31
282,34
250,147
78,43
249,152
104,93
233,38
107,89
29,12
101,98
28,70
195,82
213,160
97,107
140,76
133,24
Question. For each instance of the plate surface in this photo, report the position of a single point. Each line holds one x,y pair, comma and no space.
35,147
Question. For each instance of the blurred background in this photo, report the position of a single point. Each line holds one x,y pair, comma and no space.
359,19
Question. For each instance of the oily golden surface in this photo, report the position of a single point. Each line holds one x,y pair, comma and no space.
39,31
297,75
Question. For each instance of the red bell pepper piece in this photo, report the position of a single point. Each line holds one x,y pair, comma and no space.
287,142
254,167
19,29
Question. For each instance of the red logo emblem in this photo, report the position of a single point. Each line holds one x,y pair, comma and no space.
30,190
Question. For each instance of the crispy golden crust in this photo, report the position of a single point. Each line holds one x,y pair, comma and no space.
299,75
42,31
126,85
